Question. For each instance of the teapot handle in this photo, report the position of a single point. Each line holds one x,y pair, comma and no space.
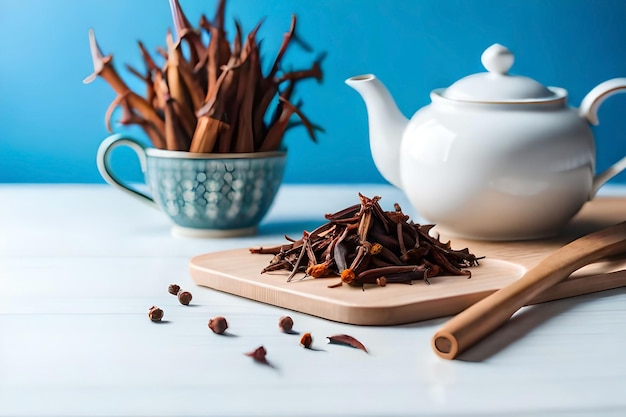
589,110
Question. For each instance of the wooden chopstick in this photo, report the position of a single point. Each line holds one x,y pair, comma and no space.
483,317
588,284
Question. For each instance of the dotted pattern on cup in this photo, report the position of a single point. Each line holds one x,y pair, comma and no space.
215,193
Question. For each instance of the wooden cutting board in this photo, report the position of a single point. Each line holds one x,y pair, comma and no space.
238,272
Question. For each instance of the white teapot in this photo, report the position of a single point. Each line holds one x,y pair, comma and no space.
494,156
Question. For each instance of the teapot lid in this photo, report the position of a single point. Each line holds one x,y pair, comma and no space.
497,85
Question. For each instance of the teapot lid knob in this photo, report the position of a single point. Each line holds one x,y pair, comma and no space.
497,59
497,85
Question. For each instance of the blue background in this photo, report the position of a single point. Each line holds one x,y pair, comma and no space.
52,123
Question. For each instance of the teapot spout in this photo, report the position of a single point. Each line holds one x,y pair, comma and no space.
386,125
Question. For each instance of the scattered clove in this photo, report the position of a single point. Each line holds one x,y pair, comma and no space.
155,313
285,323
306,340
173,289
363,244
218,325
184,297
344,339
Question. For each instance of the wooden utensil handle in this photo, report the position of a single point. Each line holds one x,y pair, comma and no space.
471,325
582,285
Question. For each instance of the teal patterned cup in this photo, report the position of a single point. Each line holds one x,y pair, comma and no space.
205,195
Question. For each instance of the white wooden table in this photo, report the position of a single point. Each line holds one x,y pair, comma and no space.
81,264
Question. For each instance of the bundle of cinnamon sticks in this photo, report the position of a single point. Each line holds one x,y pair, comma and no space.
210,96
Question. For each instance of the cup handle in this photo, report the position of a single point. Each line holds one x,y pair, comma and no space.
103,161
589,110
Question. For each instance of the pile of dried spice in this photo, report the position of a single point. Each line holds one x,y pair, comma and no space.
363,244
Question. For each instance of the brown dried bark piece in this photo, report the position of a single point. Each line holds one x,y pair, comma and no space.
344,339
258,355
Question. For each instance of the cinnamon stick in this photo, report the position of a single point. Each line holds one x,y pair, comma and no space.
470,326
206,134
209,97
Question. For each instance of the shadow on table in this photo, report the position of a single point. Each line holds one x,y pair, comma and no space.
525,321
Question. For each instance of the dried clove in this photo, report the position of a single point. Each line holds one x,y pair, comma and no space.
218,325
306,340
155,313
363,244
184,297
173,289
344,339
285,323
